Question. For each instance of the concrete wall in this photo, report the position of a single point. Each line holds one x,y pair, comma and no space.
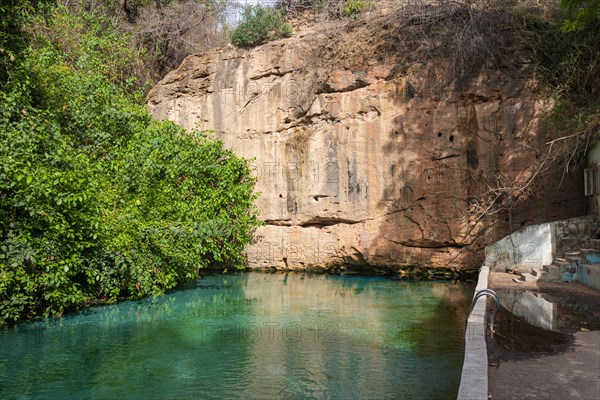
594,162
474,378
523,250
589,274
535,246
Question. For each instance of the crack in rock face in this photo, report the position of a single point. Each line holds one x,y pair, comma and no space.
358,164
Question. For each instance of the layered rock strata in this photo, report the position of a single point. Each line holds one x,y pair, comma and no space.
359,164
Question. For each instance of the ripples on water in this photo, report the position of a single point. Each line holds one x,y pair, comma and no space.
250,336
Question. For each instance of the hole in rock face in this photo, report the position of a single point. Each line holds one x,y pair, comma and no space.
451,138
316,198
280,196
439,134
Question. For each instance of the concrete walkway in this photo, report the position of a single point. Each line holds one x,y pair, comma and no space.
527,362
572,374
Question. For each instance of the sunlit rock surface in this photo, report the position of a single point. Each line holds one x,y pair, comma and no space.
359,163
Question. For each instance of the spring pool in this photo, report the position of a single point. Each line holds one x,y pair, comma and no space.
250,336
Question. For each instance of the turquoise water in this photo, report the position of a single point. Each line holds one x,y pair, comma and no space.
250,336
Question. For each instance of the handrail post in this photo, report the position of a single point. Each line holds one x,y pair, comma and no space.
486,292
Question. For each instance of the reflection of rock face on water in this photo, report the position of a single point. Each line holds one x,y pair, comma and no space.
251,336
357,163
530,322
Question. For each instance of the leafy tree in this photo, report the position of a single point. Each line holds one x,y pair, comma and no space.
98,201
259,24
90,41
14,14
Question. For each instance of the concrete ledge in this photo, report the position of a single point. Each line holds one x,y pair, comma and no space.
589,275
474,379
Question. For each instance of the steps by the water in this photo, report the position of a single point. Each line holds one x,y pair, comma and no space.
526,277
575,259
529,277
581,265
537,271
572,256
591,244
551,273
561,264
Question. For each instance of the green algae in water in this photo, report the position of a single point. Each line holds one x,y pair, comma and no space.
250,336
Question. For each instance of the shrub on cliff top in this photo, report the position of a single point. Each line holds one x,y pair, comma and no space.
354,7
258,25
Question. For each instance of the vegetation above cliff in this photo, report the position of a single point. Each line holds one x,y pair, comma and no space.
98,201
259,24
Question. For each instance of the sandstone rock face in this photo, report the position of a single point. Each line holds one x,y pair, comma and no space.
358,164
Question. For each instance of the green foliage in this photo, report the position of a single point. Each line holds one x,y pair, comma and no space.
567,68
354,7
259,24
14,14
89,41
98,201
583,12
567,63
166,30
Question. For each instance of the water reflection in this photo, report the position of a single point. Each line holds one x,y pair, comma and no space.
543,310
250,336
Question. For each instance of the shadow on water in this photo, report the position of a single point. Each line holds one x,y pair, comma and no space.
442,334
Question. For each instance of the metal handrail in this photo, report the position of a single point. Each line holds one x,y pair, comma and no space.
485,292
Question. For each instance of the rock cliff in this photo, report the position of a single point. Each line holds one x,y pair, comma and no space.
360,162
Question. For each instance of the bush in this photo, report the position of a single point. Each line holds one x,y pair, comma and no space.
354,7
259,24
334,9
98,201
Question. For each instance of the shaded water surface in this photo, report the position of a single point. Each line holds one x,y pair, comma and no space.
250,336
